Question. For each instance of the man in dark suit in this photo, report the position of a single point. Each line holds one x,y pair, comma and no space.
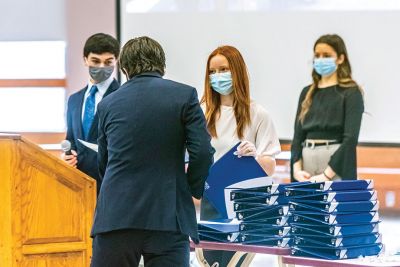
100,55
145,203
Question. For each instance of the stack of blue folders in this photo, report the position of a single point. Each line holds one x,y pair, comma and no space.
264,215
262,218
223,230
334,220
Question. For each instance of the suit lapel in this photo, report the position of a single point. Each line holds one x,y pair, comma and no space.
113,86
93,129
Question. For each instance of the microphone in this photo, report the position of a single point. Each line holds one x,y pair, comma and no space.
66,147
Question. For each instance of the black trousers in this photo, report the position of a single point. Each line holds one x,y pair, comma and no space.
123,248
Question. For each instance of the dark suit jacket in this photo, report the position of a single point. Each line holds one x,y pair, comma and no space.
143,132
87,158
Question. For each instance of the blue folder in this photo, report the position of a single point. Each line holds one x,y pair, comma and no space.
338,196
259,214
256,207
238,194
334,230
249,206
337,253
261,240
226,226
257,226
238,206
258,197
356,206
340,241
272,189
277,220
266,230
335,186
219,230
335,218
227,171
220,237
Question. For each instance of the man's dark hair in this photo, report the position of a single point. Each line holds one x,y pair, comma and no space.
100,43
142,54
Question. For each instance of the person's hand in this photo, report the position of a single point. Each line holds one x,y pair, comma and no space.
302,176
246,149
319,178
71,160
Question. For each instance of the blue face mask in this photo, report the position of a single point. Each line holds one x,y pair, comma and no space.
222,82
325,66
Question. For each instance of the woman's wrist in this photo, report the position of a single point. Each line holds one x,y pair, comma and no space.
327,176
296,172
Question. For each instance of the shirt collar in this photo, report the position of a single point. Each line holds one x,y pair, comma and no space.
101,87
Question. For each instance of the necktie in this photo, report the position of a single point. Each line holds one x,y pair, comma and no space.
88,114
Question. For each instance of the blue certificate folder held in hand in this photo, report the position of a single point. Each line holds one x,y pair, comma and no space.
229,171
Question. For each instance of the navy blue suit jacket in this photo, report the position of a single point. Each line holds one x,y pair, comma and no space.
87,158
143,132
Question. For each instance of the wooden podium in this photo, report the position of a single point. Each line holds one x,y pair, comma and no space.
46,208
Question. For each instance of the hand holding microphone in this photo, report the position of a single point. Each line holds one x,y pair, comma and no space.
68,155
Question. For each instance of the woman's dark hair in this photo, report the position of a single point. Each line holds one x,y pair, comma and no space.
343,71
142,54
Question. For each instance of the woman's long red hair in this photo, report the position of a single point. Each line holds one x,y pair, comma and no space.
241,92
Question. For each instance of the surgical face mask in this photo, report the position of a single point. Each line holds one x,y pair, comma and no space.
325,66
100,74
221,82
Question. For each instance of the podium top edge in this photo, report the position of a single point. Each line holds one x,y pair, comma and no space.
10,136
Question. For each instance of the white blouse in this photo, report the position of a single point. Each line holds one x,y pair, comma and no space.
261,132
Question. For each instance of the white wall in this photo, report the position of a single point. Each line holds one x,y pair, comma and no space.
85,18
72,21
277,47
33,20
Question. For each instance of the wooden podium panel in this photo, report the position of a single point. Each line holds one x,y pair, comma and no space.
55,260
46,208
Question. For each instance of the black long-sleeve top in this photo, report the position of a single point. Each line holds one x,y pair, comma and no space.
335,114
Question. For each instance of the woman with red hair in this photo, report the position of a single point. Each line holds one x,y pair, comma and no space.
231,118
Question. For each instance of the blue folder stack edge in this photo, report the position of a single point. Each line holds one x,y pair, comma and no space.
328,220
334,220
262,218
264,215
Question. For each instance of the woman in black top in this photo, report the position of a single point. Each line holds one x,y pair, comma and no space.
328,117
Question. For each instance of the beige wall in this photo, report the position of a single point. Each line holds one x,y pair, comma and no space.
84,18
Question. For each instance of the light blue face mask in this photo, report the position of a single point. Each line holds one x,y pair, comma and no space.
222,82
325,66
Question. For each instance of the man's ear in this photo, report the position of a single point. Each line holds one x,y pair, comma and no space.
86,61
125,72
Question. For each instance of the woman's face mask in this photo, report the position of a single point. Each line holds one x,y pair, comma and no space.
325,66
221,82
